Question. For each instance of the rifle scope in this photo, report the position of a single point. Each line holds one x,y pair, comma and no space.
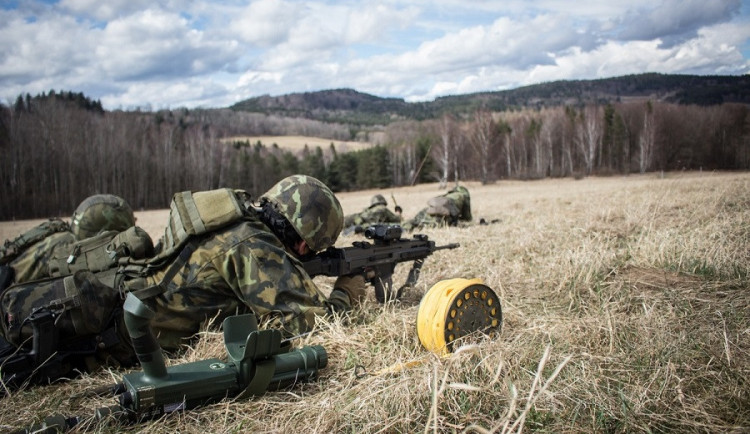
383,232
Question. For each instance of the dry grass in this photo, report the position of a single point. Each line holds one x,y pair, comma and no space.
625,305
298,143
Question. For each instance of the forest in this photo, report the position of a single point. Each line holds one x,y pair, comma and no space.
60,147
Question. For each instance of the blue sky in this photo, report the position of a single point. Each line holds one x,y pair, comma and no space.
155,54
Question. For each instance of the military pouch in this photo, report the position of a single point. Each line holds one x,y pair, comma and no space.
12,248
441,206
101,252
201,212
80,305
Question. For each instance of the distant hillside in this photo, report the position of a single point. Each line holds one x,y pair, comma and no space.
337,105
350,106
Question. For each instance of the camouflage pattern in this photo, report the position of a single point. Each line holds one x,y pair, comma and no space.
462,199
377,213
243,268
378,199
311,208
240,268
12,248
81,303
101,212
459,199
33,263
82,306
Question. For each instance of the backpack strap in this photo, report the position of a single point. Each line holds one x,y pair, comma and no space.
167,282
191,209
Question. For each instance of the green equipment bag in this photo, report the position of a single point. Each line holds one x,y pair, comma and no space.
192,214
28,254
80,304
11,249
63,325
101,252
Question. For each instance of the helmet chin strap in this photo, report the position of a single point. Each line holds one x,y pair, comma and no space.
283,230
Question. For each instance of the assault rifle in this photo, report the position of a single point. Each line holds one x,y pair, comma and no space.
377,260
256,362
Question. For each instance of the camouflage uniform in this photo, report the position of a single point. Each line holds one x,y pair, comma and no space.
246,268
101,212
377,212
248,265
446,210
241,269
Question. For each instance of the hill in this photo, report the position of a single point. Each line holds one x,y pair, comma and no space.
352,107
337,105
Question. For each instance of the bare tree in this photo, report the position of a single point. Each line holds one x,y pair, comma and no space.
552,126
459,160
482,139
646,141
445,145
590,136
504,130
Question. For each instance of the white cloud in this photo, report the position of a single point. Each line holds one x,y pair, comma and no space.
265,22
104,10
157,44
33,50
190,93
123,51
674,20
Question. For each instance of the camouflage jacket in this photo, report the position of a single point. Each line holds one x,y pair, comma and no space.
378,213
240,269
457,204
462,200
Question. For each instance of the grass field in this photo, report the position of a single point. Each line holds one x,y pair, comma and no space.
626,308
298,143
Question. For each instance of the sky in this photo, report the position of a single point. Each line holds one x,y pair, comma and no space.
167,54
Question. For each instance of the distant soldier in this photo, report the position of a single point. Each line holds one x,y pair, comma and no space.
28,254
446,210
377,212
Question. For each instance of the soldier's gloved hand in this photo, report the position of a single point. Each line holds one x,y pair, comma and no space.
354,286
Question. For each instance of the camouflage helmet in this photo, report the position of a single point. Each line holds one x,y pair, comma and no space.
101,212
378,199
311,208
460,189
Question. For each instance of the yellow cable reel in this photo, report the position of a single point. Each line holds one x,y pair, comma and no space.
455,308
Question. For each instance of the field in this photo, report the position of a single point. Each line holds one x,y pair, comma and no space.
297,143
626,308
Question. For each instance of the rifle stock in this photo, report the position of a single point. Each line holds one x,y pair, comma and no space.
377,260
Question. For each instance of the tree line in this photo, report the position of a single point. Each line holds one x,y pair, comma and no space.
59,148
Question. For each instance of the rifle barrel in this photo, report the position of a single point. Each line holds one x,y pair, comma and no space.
448,246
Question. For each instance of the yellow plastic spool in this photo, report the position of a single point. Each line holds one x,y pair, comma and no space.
455,308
